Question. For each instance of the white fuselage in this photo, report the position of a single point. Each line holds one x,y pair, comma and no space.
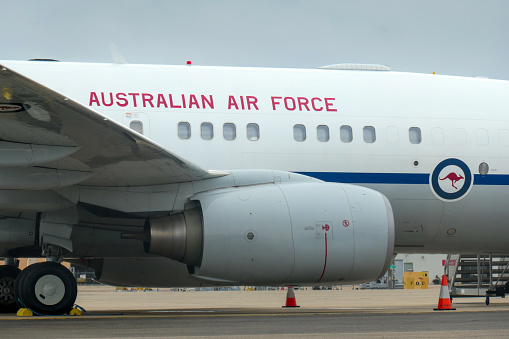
397,129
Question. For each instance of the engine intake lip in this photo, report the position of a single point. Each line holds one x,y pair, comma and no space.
391,236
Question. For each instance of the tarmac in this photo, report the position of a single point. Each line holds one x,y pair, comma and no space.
346,312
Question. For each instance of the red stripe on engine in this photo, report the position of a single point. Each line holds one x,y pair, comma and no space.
325,264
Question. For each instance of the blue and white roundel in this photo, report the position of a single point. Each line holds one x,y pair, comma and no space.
451,180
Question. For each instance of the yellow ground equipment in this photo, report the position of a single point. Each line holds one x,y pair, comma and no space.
416,280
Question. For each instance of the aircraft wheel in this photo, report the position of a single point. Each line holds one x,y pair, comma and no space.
17,287
8,275
48,288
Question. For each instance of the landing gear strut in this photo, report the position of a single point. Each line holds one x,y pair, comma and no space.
8,275
47,288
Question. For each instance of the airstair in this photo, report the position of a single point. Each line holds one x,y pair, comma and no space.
478,275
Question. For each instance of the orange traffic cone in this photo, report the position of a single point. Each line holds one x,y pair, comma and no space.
444,300
290,298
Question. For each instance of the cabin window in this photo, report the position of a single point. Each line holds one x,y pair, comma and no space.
299,132
136,126
322,133
369,134
483,138
229,131
392,135
414,134
184,130
437,135
503,137
345,133
253,132
207,131
460,136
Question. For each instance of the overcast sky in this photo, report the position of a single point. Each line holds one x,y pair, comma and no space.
469,38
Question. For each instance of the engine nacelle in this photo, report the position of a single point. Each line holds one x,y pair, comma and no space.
281,234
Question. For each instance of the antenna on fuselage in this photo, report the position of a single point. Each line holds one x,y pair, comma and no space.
357,67
118,58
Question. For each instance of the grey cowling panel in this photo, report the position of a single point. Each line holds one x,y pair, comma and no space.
373,222
15,233
303,233
247,236
35,178
32,201
153,272
14,154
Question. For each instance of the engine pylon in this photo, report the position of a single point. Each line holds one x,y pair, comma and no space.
290,298
444,300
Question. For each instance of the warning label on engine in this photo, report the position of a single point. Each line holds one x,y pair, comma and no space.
322,228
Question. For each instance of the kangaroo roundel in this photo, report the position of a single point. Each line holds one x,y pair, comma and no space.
451,180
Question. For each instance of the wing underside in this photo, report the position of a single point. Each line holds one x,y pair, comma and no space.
54,142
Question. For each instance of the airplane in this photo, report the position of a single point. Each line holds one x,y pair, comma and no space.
189,176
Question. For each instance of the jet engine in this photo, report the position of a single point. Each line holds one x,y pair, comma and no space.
279,234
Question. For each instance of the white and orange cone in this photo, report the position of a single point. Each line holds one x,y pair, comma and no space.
290,298
444,300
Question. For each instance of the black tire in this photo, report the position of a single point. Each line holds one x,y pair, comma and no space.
8,275
17,288
48,288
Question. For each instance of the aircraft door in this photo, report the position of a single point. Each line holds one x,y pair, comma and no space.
138,122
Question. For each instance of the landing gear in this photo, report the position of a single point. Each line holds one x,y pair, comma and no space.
8,275
47,288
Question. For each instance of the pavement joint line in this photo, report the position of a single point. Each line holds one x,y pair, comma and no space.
228,315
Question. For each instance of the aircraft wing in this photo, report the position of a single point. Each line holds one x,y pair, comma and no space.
43,129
